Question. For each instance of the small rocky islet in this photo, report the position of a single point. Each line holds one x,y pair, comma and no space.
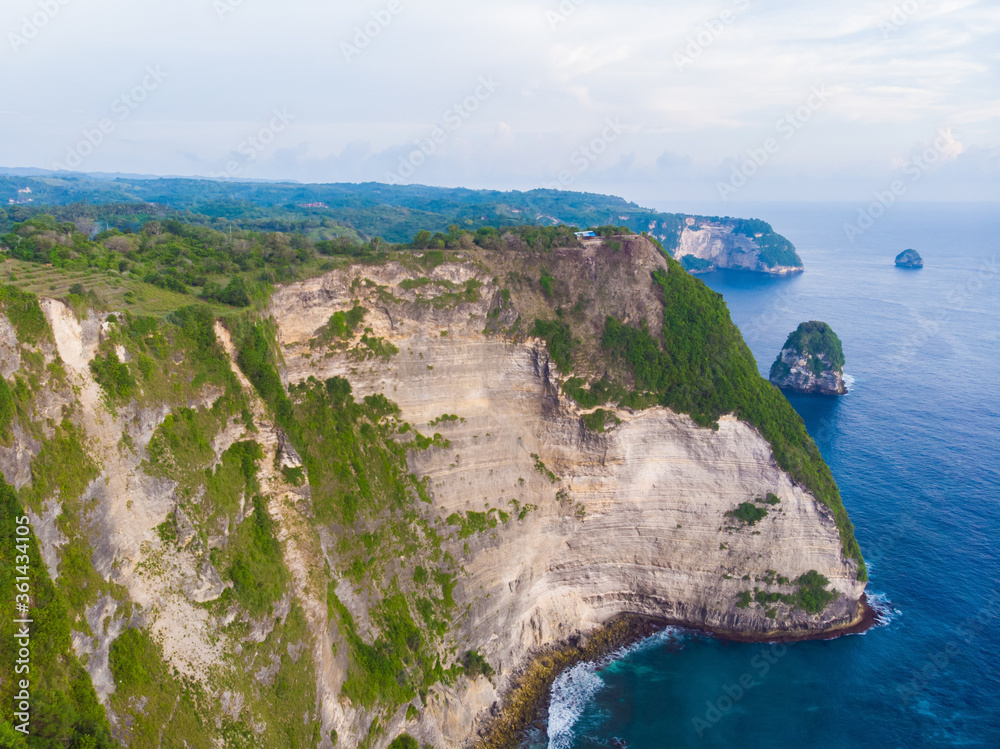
909,259
811,361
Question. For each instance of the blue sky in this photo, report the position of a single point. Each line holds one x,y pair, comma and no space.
656,101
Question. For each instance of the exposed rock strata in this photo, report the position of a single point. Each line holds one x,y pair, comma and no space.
630,520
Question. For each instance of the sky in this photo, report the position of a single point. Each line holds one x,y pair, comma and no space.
663,103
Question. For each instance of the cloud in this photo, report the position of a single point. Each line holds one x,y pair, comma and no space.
899,72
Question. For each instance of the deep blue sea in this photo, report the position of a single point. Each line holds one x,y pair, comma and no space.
914,447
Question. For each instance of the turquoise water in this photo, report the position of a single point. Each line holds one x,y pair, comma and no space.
914,448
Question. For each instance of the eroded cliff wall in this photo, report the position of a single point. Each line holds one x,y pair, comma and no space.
472,508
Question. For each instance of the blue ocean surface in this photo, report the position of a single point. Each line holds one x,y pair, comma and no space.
914,447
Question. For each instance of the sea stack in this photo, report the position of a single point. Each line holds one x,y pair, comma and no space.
812,361
909,259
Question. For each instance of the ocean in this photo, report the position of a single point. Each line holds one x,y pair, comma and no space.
914,447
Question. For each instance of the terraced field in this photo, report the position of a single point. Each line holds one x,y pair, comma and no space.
114,291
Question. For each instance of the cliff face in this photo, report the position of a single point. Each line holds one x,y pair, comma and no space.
709,245
520,523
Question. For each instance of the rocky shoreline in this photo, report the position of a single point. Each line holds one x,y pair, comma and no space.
527,700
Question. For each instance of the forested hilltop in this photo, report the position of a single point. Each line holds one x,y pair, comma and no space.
394,213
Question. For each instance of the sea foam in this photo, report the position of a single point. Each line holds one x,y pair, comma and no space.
575,687
885,612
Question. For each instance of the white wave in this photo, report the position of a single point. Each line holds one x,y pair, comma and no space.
885,612
571,693
849,382
574,688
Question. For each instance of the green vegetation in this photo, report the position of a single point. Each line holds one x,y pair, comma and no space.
701,366
598,420
695,264
598,392
64,706
770,499
255,356
171,707
454,295
7,410
257,570
814,339
113,376
543,469
396,665
546,281
476,665
404,741
559,341
474,522
813,595
61,469
373,347
748,513
25,314
341,326
171,359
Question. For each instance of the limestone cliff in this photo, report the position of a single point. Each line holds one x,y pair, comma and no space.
366,512
811,361
710,244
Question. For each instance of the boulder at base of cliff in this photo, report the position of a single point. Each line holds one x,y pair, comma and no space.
909,259
811,361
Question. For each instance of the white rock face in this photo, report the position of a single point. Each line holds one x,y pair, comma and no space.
631,520
635,520
723,248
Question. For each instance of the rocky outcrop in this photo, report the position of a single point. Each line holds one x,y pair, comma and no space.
706,245
811,361
909,259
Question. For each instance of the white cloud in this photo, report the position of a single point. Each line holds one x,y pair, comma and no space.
934,67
